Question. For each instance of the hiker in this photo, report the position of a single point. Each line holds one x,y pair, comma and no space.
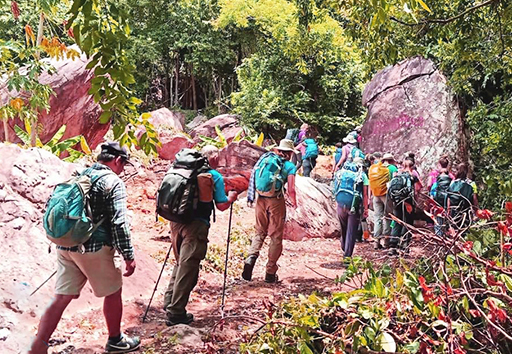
389,161
190,239
310,154
356,133
443,163
378,176
348,152
337,153
96,260
351,193
462,197
439,192
268,178
402,191
304,130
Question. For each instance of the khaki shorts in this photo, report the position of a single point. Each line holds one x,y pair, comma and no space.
101,268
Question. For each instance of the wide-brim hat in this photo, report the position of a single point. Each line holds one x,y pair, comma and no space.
113,148
349,139
286,145
388,156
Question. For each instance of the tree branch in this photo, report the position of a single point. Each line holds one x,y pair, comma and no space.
444,21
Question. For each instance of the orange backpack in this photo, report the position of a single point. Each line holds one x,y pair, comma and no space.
379,177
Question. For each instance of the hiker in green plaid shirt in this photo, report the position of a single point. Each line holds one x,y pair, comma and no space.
96,260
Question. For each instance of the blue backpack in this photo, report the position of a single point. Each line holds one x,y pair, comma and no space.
356,152
347,179
269,175
311,149
67,219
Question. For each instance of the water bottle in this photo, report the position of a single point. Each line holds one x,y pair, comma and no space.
366,232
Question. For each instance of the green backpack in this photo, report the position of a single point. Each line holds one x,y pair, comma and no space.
269,175
178,196
67,219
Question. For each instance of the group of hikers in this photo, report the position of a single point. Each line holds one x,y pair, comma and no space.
395,188
87,218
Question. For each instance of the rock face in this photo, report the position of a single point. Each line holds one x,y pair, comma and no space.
164,118
169,126
71,105
27,179
228,124
236,162
411,109
315,215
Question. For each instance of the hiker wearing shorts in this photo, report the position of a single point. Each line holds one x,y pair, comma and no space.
98,260
190,240
272,171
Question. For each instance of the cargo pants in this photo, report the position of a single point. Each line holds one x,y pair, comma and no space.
189,243
270,219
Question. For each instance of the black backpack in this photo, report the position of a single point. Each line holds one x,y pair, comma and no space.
178,196
443,185
460,194
400,188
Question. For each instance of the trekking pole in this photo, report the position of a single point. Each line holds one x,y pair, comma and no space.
156,285
226,263
44,282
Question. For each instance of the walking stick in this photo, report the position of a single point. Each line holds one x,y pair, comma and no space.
44,282
226,263
156,285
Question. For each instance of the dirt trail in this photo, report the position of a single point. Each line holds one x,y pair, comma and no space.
305,267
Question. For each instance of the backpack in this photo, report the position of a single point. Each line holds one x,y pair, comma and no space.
461,194
178,196
269,176
356,152
378,176
347,179
292,134
311,149
400,188
443,184
68,219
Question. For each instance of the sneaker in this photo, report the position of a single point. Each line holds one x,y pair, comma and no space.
179,319
270,278
248,267
124,345
393,252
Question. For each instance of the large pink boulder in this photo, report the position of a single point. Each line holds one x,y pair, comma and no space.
169,126
172,144
236,162
228,124
164,118
71,106
412,109
315,216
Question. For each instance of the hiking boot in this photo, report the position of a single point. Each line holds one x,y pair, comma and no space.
173,320
124,345
248,267
270,278
377,245
393,252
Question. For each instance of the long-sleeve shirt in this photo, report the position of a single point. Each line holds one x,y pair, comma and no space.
108,201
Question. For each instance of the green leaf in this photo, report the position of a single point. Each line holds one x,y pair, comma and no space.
105,117
305,349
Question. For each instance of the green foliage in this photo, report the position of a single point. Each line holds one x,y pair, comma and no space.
56,146
298,74
456,300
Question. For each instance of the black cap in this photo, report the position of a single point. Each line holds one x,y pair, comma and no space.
113,148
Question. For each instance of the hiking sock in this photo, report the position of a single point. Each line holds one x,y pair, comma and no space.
116,338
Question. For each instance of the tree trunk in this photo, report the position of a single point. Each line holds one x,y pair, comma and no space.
177,69
193,83
6,129
219,97
33,132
